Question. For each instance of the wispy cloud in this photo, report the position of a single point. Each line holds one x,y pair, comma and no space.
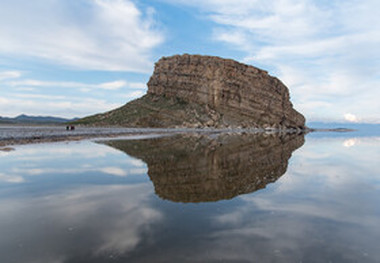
324,51
51,105
351,142
63,98
91,35
5,75
116,171
11,179
130,218
112,85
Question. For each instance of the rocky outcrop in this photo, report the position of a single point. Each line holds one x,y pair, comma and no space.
202,91
201,168
238,94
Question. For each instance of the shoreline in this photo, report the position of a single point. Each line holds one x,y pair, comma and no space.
21,135
6,143
47,134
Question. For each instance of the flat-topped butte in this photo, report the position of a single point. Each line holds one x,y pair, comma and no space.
205,91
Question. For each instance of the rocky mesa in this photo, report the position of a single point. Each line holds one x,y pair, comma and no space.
205,91
201,168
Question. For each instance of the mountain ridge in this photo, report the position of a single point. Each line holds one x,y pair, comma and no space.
30,119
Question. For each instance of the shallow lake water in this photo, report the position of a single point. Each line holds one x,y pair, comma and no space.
193,198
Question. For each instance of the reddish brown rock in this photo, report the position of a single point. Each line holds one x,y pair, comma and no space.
201,91
240,94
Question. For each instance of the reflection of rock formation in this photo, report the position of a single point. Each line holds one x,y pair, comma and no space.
198,168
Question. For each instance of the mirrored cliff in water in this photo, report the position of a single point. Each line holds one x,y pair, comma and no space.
206,168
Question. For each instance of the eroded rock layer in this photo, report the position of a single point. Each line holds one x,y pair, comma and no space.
194,91
201,168
235,93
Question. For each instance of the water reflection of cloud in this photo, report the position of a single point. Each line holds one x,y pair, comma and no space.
11,179
124,235
116,171
297,229
351,142
84,149
3,153
68,158
139,171
319,202
324,208
105,219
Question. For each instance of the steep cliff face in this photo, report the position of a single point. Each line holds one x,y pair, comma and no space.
239,94
201,91
196,168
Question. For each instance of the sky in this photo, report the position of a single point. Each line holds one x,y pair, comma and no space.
77,58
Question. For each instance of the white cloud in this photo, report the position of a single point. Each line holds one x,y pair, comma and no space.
72,107
65,98
351,117
112,85
137,85
62,84
99,34
135,94
326,52
136,162
9,75
39,96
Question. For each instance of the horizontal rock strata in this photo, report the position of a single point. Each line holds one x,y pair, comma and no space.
198,168
202,91
241,95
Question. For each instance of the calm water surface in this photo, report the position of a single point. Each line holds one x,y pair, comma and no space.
250,198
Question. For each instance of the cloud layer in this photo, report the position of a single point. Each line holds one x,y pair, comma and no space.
84,34
325,51
62,98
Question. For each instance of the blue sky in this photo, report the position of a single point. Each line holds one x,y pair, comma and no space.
76,58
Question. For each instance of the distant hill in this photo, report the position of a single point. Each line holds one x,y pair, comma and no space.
25,119
360,129
347,125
